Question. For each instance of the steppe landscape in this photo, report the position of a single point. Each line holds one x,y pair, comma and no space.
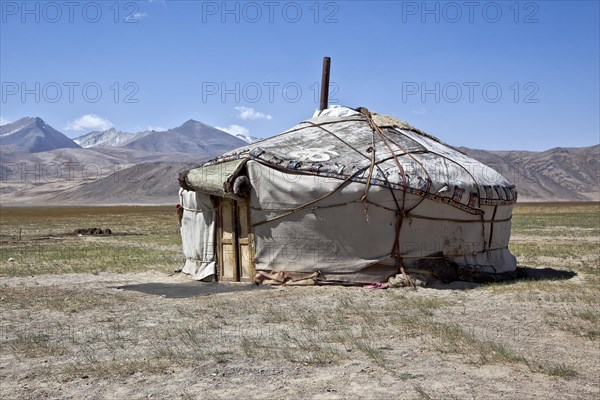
359,146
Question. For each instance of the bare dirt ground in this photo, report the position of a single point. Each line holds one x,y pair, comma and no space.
148,335
131,332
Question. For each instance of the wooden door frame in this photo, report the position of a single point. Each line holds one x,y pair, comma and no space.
238,270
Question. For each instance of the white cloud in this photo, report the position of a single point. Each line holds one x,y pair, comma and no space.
138,16
420,111
90,122
235,130
251,113
4,121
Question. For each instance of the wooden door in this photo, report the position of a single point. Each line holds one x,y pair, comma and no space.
227,241
235,242
245,253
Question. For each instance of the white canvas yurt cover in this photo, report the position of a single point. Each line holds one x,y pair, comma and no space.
346,197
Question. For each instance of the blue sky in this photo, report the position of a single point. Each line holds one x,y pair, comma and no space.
491,75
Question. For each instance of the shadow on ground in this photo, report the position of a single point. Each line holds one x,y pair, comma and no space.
543,274
195,288
190,289
522,273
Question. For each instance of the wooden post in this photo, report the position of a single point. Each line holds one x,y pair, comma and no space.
325,83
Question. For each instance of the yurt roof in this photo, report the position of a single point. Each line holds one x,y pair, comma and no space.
357,145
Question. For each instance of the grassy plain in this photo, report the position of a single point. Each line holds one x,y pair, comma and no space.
104,316
142,239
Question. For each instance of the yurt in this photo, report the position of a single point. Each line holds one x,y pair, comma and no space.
346,197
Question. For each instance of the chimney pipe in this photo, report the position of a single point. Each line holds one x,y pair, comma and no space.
325,83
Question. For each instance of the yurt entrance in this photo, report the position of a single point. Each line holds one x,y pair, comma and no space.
234,241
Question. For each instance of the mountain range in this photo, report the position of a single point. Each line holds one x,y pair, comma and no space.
164,141
40,165
32,135
559,174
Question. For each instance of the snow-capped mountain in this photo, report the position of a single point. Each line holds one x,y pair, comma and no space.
246,138
32,135
108,138
192,137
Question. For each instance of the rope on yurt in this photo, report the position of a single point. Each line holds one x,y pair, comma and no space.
403,174
371,168
385,139
412,216
362,155
492,227
191,209
400,213
305,205
372,163
460,221
416,216
308,204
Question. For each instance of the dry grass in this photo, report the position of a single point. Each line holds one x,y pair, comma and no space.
56,298
41,240
105,333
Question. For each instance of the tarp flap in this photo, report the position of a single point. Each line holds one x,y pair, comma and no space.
198,229
210,179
